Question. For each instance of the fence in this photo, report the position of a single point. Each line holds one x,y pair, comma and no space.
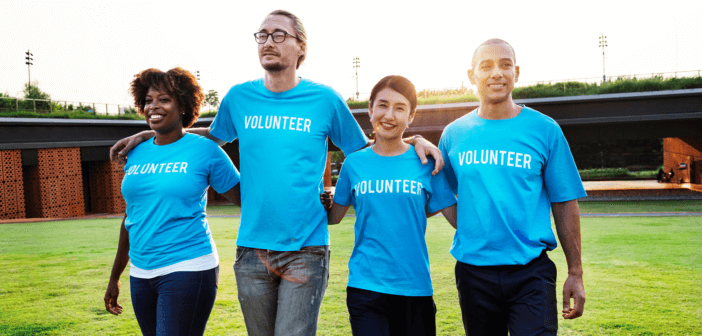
9,104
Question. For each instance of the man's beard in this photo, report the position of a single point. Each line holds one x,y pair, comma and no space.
275,67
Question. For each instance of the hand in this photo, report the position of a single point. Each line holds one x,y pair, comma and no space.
573,288
118,152
327,199
424,148
111,298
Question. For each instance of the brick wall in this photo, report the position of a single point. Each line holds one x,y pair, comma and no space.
54,188
11,185
106,187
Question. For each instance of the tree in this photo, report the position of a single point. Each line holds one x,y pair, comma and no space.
31,91
212,98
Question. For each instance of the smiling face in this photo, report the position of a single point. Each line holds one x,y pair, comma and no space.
494,73
161,112
390,114
274,56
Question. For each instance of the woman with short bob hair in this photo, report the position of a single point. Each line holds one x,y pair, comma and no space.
165,234
389,289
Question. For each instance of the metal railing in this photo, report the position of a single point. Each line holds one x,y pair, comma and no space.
672,74
10,104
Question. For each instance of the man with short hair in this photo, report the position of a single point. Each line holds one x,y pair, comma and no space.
510,165
283,122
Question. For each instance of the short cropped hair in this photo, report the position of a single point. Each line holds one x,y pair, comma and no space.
299,30
401,85
178,83
492,41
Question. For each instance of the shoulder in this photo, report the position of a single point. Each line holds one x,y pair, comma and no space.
538,117
461,122
143,147
248,86
200,143
360,154
310,86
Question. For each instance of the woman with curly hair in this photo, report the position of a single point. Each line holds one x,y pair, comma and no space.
174,261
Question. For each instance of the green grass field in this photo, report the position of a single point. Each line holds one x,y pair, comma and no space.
585,207
643,276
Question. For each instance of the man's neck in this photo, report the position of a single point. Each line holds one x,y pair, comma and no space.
503,110
281,81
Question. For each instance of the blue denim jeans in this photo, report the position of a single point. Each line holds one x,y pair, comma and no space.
178,303
281,292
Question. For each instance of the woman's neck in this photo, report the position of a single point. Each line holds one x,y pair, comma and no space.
167,138
389,147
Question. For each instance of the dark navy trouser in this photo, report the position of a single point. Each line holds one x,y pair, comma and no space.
178,303
378,314
518,298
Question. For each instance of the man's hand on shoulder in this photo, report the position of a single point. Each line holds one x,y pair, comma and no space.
118,152
425,148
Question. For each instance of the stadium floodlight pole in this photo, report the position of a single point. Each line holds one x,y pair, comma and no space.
197,74
29,63
356,65
603,44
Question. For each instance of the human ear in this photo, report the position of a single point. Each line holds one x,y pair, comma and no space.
470,76
516,76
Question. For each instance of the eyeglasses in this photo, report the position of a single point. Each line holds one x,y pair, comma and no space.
278,37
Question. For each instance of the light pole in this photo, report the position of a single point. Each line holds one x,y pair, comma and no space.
603,44
197,74
29,63
356,65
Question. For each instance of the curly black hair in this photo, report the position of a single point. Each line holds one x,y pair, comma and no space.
178,83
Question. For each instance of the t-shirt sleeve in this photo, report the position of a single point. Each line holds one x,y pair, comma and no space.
343,192
345,132
561,176
222,126
450,175
223,175
442,196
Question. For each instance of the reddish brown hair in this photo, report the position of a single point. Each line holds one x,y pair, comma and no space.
178,83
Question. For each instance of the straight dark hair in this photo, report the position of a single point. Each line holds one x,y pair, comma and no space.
399,84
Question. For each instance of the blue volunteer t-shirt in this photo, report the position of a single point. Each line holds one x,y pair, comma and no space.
165,188
390,195
283,153
507,173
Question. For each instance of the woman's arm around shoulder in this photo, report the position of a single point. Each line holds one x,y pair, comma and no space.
335,211
234,195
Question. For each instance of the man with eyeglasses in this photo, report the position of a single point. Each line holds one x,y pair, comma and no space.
283,122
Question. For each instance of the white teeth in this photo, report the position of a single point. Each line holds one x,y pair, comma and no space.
156,116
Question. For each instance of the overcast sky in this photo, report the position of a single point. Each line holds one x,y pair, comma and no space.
90,51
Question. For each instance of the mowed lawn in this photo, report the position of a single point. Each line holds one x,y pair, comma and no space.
643,276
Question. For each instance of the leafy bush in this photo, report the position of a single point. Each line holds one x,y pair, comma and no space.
68,115
615,173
